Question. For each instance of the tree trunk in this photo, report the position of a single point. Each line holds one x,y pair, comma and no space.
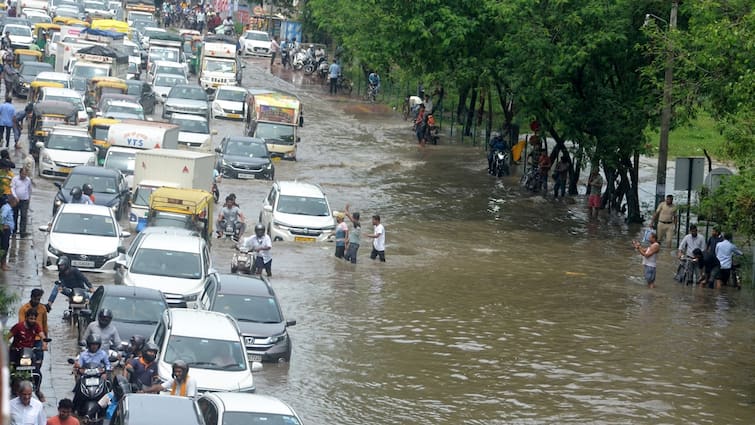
470,113
489,126
574,174
463,94
633,198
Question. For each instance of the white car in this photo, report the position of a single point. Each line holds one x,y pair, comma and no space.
36,16
210,343
256,43
98,9
298,212
247,409
68,96
164,82
20,36
66,147
122,109
193,131
160,67
229,102
176,265
55,77
88,234
123,160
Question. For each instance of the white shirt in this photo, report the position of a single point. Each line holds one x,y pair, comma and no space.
689,244
253,242
191,386
379,242
724,251
33,414
21,189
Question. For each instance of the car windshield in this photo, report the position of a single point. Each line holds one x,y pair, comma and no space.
67,12
101,184
219,65
83,71
193,93
19,31
66,83
75,100
31,69
303,205
206,353
247,149
85,224
170,70
257,36
100,133
134,310
159,262
141,196
133,68
95,5
69,143
114,110
232,95
163,54
164,80
276,133
191,126
39,19
122,161
254,418
248,308
163,219
134,89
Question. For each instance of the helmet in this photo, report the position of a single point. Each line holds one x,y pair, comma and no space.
105,317
94,339
137,343
259,230
64,263
76,193
87,188
150,346
180,364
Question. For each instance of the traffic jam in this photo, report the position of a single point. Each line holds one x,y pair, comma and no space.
119,119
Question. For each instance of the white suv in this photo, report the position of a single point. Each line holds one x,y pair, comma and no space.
210,343
256,43
176,265
298,212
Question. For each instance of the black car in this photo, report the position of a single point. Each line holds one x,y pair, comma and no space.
136,310
142,90
110,188
151,409
26,74
252,302
245,158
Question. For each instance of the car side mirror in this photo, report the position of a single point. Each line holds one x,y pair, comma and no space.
125,235
90,111
267,208
214,132
121,250
45,228
298,139
256,366
218,150
290,322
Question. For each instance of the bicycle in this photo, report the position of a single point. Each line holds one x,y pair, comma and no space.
531,180
688,271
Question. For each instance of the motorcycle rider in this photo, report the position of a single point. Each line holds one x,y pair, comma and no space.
228,27
230,212
68,277
93,356
142,371
24,335
88,190
103,328
77,198
261,244
374,80
36,305
285,47
135,347
496,144
180,383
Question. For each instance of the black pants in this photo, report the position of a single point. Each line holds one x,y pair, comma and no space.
8,131
5,243
21,211
334,85
375,254
272,60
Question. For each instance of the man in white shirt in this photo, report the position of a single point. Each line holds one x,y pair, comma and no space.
691,242
378,243
180,383
25,410
261,244
20,187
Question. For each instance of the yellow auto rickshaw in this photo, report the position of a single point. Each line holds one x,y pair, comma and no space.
35,88
110,25
189,208
98,129
65,20
46,115
96,86
25,55
43,33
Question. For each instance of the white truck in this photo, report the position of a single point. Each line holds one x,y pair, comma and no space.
97,61
166,47
219,66
167,168
127,138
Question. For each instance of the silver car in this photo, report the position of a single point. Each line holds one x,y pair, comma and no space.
187,99
164,82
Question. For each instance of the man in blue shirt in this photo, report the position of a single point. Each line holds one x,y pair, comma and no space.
8,225
7,112
94,354
333,72
725,251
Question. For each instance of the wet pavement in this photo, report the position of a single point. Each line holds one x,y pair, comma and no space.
494,305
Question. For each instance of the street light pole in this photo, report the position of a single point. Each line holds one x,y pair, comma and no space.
668,81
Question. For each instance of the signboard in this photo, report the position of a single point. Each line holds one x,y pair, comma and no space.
689,173
276,114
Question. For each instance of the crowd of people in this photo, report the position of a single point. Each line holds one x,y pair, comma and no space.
200,17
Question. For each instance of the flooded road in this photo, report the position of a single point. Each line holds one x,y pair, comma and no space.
494,306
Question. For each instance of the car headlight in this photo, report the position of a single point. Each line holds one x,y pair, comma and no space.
289,154
192,297
280,225
112,255
223,162
202,108
51,249
271,340
46,159
269,166
92,161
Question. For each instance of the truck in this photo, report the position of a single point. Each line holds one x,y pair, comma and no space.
275,117
166,47
140,7
126,138
219,65
96,61
167,168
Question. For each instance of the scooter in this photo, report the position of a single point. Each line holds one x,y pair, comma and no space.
91,388
27,368
230,229
242,260
299,60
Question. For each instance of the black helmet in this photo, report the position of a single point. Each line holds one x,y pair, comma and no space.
76,193
87,188
180,364
150,346
64,263
259,230
137,343
105,315
94,339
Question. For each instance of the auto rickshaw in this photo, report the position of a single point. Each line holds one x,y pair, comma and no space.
65,20
25,55
97,86
98,129
187,208
110,25
35,88
48,114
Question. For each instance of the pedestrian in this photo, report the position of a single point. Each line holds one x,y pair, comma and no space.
10,75
378,242
65,408
18,120
334,71
419,125
342,234
354,237
596,186
709,258
649,258
725,251
25,410
691,242
544,165
665,217
428,104
7,114
20,187
285,49
560,173
274,47
6,215
200,19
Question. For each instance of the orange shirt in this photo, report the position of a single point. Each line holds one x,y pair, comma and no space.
55,420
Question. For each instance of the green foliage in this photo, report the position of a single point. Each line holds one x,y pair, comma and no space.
733,203
7,300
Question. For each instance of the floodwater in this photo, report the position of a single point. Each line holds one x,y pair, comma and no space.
494,306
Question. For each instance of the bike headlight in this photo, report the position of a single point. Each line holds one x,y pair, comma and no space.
77,299
26,361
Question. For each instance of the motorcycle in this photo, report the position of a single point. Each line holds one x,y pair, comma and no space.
372,91
500,165
91,388
77,301
323,69
243,260
432,135
310,65
230,229
27,368
299,60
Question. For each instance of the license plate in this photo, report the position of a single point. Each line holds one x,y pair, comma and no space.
246,176
65,170
79,263
89,382
255,358
234,115
303,239
25,368
276,159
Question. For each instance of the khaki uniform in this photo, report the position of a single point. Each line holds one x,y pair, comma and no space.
666,216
